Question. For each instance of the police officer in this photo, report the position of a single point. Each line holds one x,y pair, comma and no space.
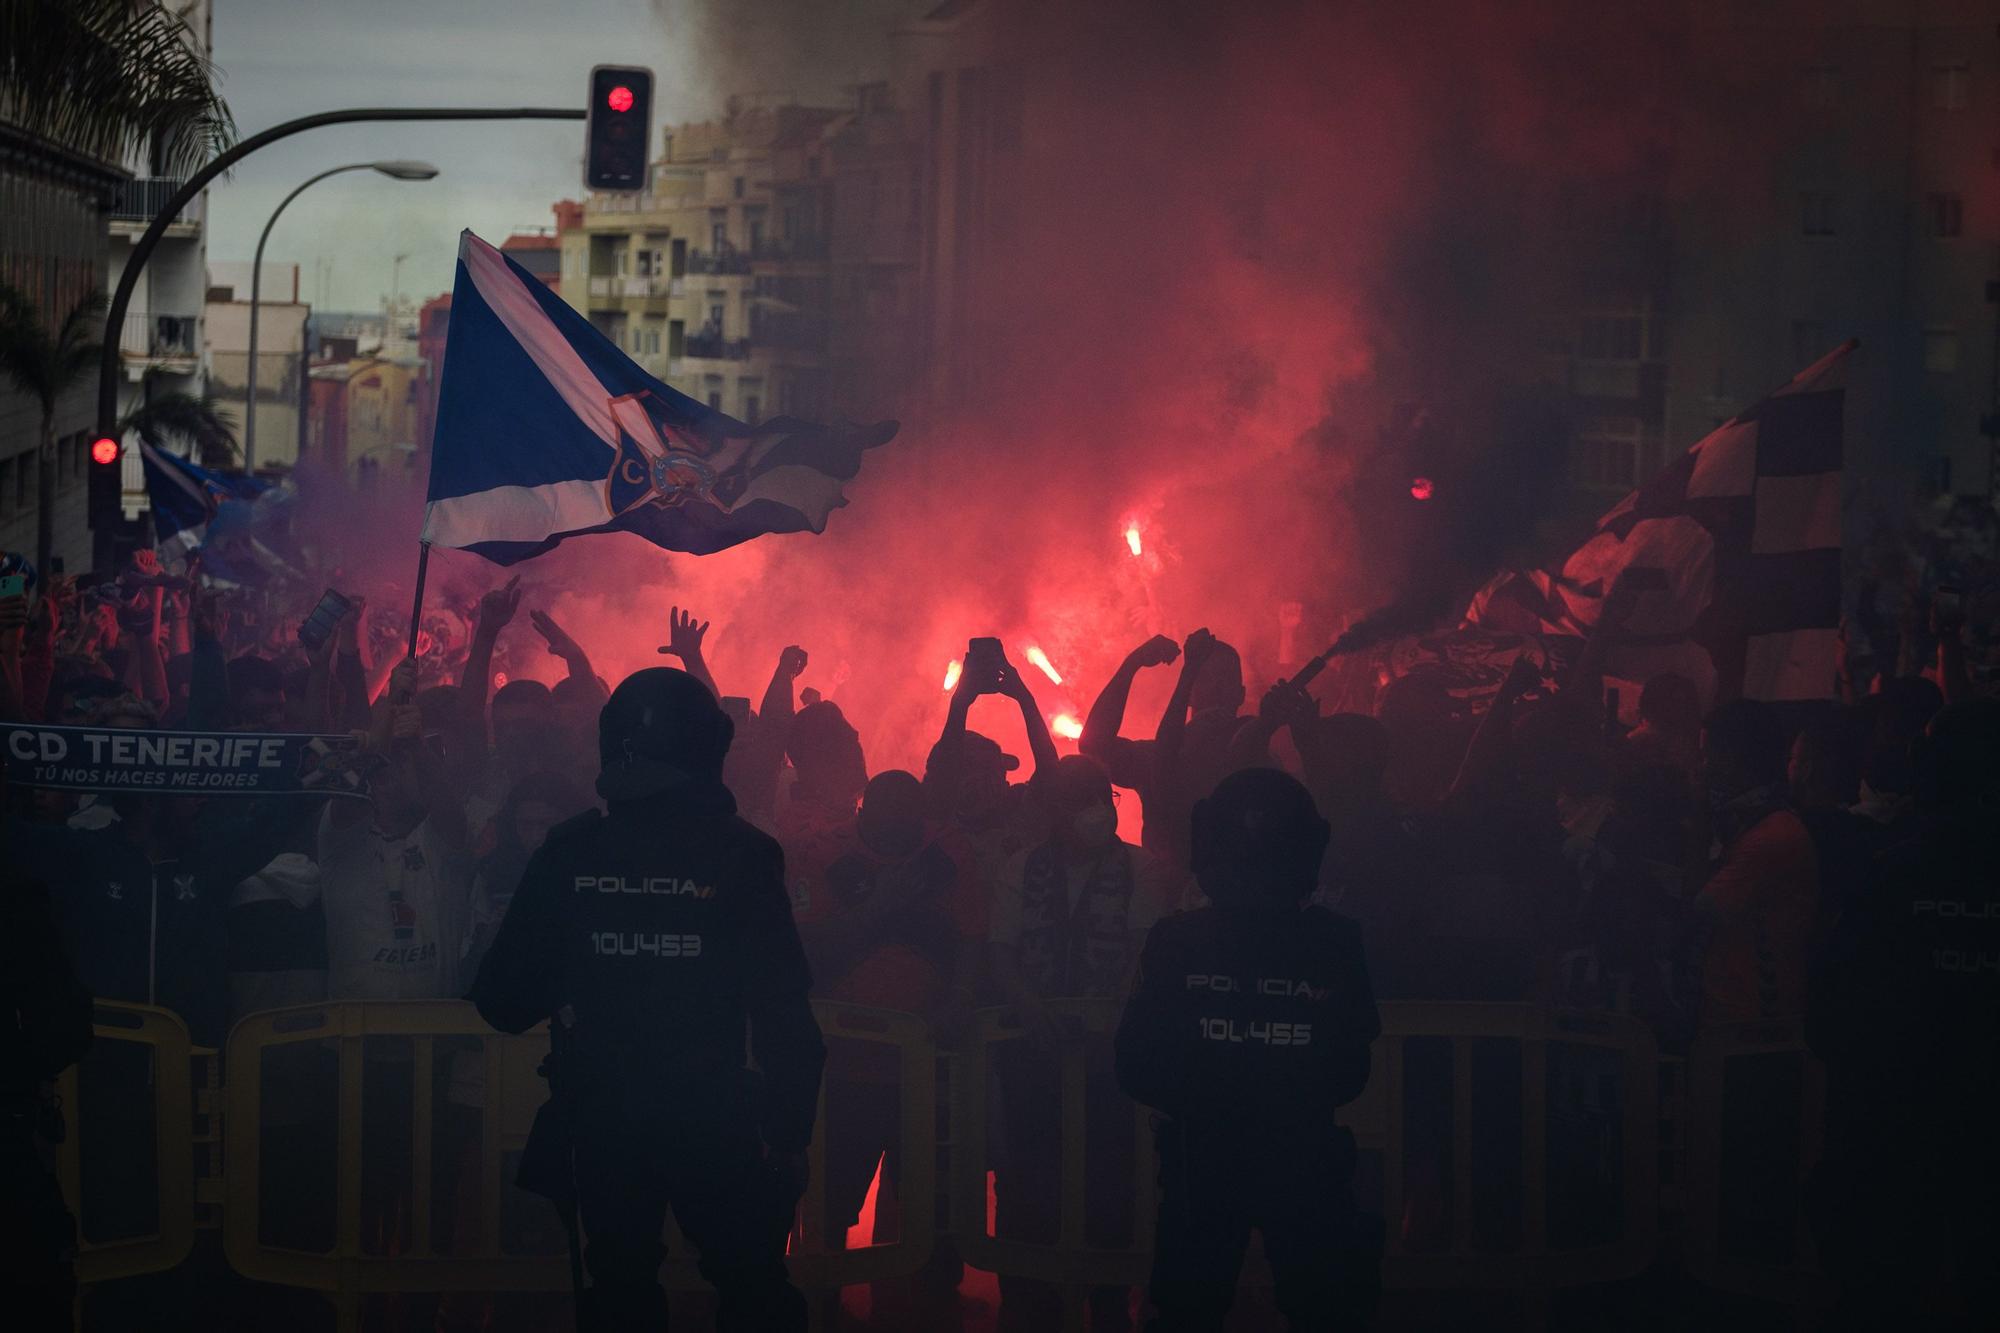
1250,1024
1905,1012
659,930
44,1029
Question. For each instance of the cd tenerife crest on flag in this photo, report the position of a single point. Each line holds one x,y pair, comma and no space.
546,430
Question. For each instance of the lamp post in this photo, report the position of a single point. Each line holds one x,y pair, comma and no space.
395,170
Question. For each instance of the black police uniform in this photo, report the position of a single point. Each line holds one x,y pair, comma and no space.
665,928
44,1029
1247,1029
1905,1012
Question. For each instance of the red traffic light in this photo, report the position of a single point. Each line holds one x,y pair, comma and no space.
105,451
615,139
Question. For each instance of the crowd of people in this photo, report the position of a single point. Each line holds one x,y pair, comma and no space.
1826,864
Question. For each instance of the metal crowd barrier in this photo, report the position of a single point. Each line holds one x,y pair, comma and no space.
1070,1262
1779,1263
815,1260
99,1104
1584,1082
1590,1072
350,1266
404,1036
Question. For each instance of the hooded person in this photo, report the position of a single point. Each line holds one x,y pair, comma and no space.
1248,1028
657,935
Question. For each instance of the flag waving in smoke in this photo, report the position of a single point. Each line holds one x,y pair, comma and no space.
197,510
1732,555
546,430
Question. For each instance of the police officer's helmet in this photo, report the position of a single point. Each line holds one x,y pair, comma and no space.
660,722
1258,840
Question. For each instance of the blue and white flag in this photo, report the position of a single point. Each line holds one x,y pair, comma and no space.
546,430
193,507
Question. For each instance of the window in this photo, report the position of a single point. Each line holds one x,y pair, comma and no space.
1821,88
718,230
753,227
738,191
716,303
1808,342
751,391
1816,213
676,339
1606,453
715,399
1947,215
680,260
648,263
1611,338
1940,350
1950,86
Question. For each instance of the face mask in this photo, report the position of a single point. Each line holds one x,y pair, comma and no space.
1096,826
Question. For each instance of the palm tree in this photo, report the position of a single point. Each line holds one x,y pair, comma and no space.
209,431
44,366
109,76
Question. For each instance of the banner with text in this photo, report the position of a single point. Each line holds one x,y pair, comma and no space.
184,763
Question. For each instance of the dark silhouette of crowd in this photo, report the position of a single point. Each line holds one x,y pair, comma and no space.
1826,868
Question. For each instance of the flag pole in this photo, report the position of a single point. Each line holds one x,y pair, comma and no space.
417,601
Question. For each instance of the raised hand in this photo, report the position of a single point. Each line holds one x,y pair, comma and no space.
684,635
1156,651
792,662
1199,645
558,642
1008,683
498,606
402,683
1286,704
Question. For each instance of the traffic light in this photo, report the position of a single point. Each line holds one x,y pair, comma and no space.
105,494
620,126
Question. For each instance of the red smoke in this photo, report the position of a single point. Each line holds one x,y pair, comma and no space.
1231,239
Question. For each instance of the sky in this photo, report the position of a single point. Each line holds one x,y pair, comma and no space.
284,58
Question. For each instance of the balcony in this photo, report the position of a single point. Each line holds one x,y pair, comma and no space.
613,287
715,347
160,338
810,247
139,199
728,261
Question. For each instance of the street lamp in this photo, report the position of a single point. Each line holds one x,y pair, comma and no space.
395,170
